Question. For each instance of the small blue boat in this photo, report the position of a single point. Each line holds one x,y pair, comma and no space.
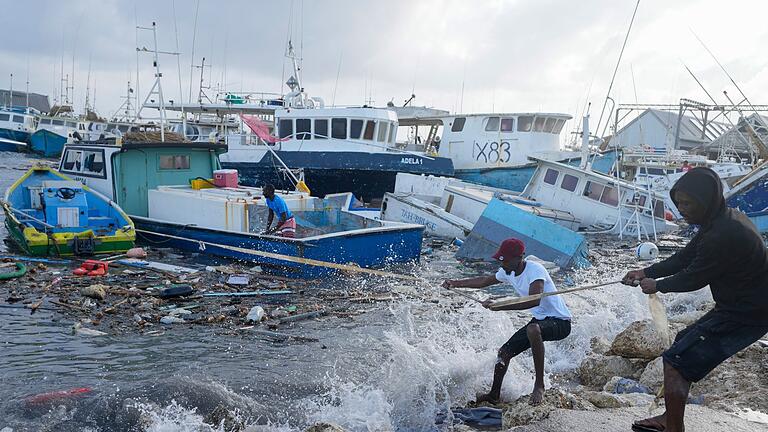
543,238
47,143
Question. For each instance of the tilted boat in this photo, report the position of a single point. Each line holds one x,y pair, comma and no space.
48,213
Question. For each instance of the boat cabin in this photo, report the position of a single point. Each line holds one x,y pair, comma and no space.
19,121
356,129
600,202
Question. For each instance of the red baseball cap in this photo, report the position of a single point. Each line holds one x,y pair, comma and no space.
510,247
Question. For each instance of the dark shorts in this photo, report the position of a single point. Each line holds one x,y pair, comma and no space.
552,329
711,340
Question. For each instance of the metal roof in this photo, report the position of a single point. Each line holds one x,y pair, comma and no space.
690,127
37,101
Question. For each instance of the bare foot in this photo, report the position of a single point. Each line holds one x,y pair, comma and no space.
658,423
490,398
537,396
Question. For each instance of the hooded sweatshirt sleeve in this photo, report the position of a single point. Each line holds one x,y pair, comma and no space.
704,267
680,260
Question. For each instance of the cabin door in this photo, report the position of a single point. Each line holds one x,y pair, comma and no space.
131,189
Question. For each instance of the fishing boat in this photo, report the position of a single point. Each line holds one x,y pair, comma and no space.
16,124
52,133
48,213
162,186
750,195
494,149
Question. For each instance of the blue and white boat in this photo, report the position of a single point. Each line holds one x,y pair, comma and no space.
750,195
16,125
495,149
52,133
151,182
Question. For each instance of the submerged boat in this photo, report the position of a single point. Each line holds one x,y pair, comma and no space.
52,134
152,182
48,213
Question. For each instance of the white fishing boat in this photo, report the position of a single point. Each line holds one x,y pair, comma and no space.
493,149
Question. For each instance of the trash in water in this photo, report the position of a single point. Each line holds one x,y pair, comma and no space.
176,290
238,279
256,314
171,320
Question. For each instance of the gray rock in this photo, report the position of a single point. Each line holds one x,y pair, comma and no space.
639,340
599,345
653,375
520,412
324,427
596,370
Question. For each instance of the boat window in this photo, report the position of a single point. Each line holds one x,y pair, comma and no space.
72,161
593,190
610,196
42,121
550,177
654,171
507,124
339,128
321,128
492,125
658,208
123,128
93,163
549,124
57,122
538,125
285,128
569,182
72,124
4,117
303,129
370,125
355,129
558,126
18,119
392,134
524,123
458,124
382,136
81,126
174,162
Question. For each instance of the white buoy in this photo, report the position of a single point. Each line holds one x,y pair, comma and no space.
647,251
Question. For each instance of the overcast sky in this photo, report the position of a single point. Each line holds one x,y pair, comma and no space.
507,55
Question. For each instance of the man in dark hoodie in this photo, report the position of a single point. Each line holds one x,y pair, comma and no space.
728,254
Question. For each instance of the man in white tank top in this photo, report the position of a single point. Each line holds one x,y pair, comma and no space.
551,317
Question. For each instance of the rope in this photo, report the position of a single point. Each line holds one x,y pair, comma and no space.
525,299
289,258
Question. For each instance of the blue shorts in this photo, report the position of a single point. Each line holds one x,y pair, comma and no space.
711,340
552,329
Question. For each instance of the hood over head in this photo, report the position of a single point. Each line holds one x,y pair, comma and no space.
703,185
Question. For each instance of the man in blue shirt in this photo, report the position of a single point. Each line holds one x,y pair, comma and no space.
286,224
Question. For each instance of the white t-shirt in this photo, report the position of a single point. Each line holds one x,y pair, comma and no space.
550,306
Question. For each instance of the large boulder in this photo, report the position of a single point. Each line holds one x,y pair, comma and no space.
639,340
597,369
324,427
520,412
653,375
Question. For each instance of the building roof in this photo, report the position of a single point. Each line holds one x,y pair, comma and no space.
37,101
690,126
739,135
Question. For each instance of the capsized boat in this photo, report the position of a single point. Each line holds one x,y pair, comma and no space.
48,213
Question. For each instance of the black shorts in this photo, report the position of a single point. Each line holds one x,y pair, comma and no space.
552,329
711,340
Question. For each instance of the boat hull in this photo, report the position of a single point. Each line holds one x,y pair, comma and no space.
78,225
367,175
47,143
13,135
366,248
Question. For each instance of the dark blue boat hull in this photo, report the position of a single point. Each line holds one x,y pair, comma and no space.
370,249
367,175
